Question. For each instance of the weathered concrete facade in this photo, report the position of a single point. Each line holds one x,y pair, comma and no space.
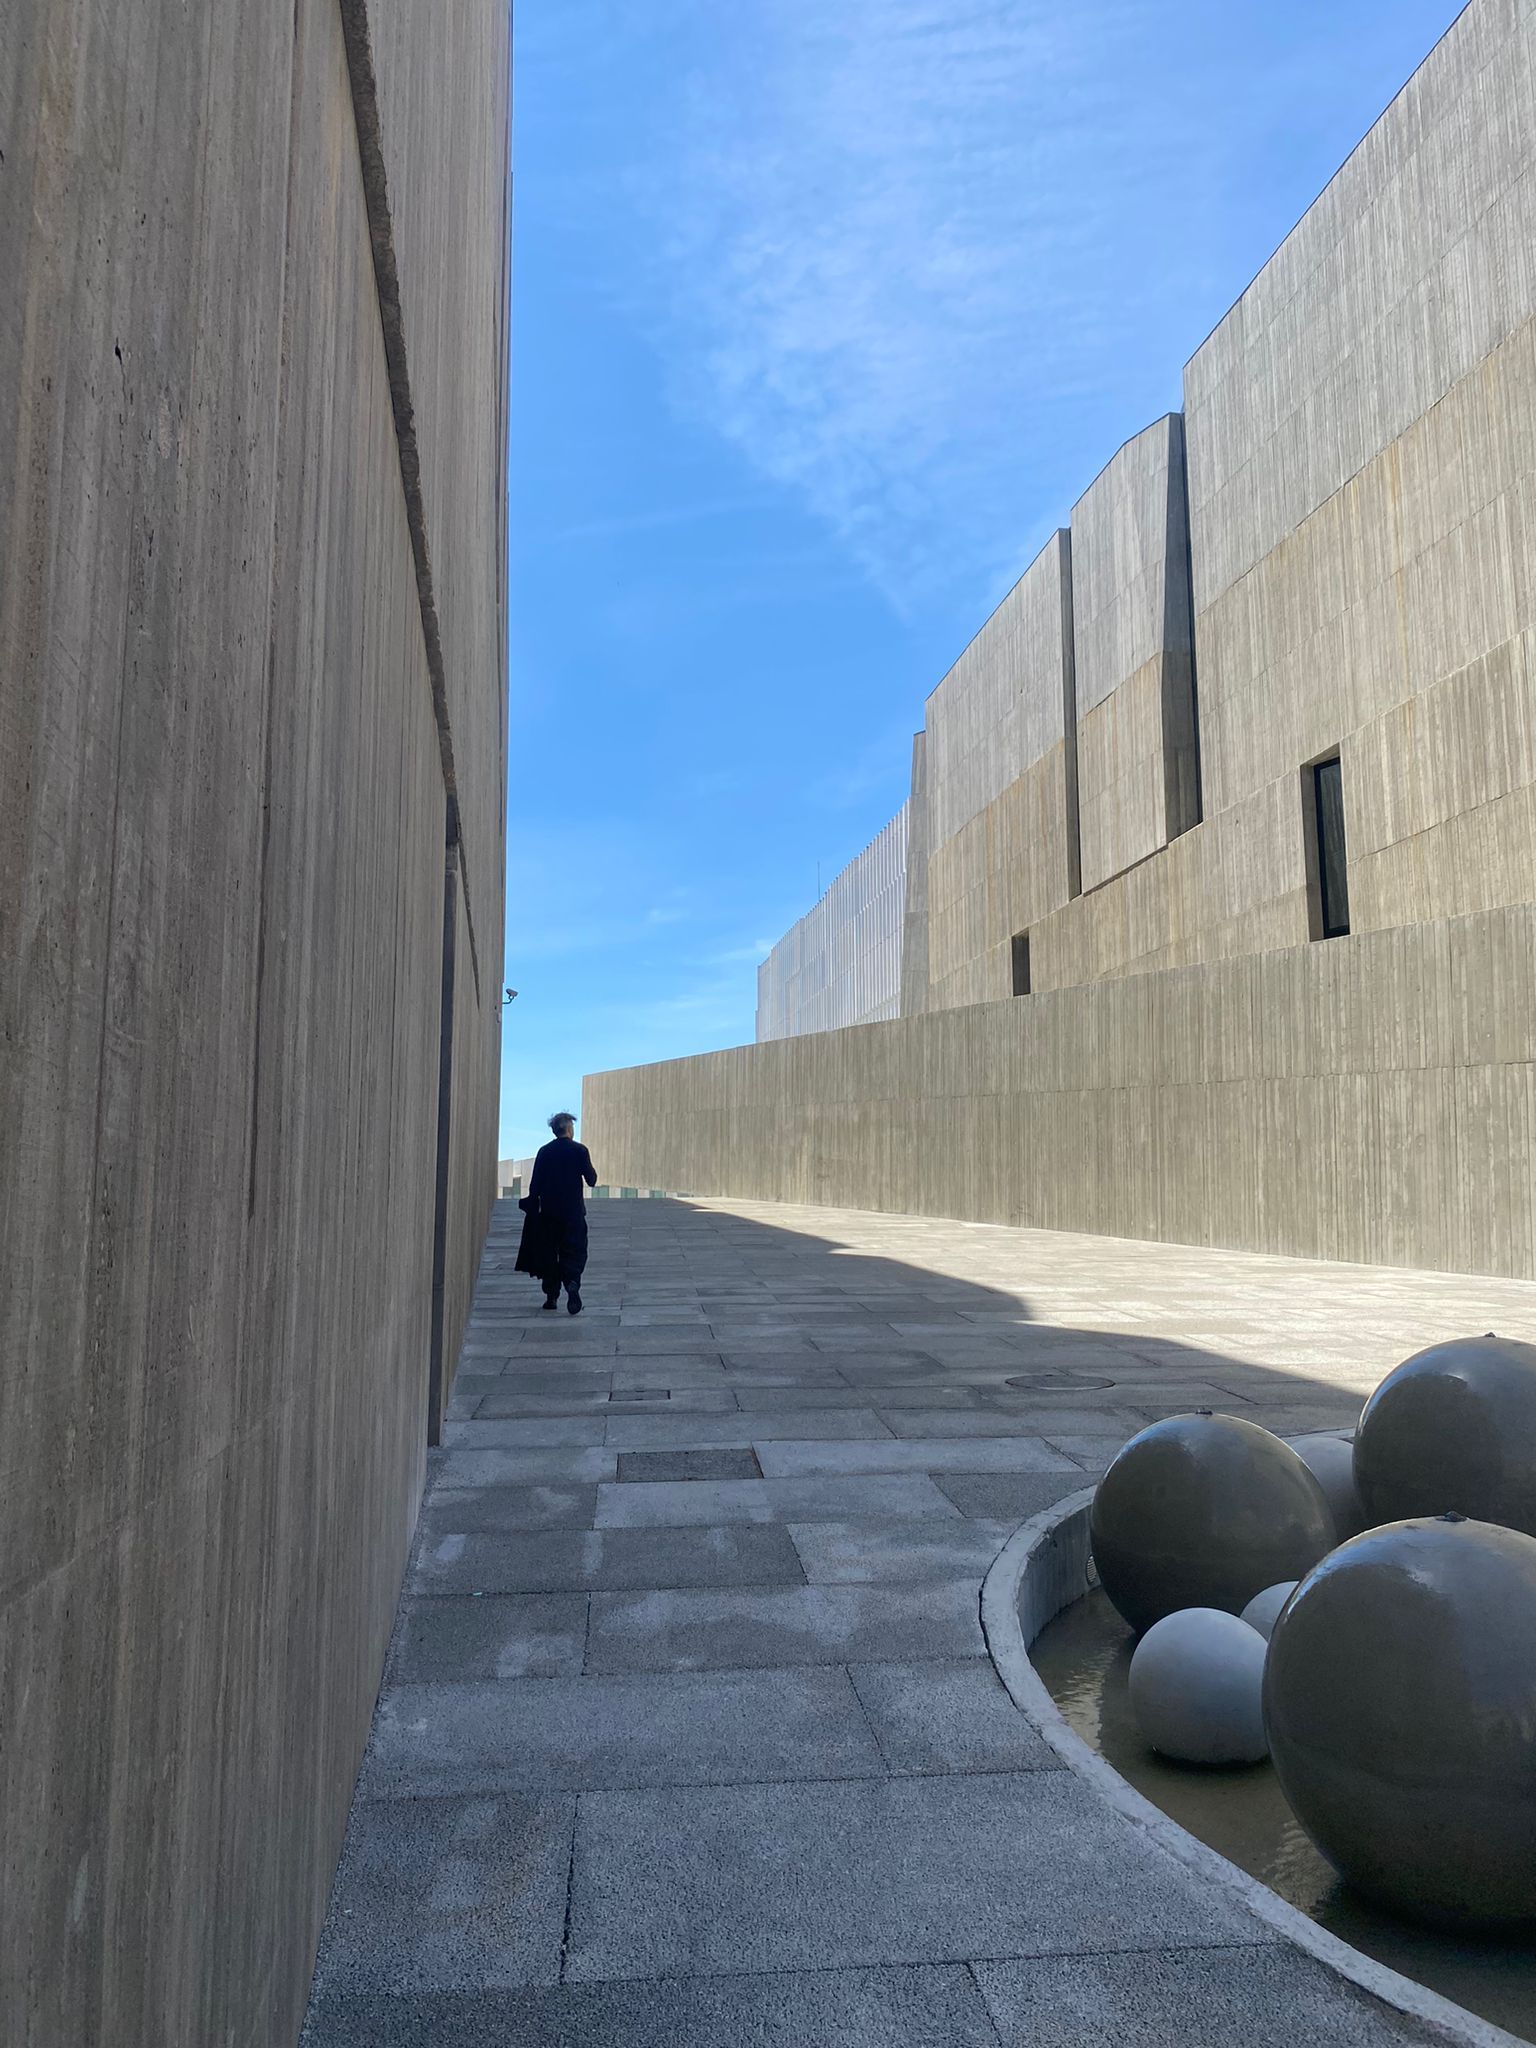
1331,555
252,358
841,964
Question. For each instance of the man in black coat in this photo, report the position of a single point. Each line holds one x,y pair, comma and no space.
556,1198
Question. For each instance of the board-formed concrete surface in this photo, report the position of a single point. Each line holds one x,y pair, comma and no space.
841,963
251,558
734,1766
1353,532
1373,1098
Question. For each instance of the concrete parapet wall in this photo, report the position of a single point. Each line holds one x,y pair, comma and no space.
224,823
1373,1099
841,964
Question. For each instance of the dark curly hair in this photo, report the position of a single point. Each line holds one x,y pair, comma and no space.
562,1123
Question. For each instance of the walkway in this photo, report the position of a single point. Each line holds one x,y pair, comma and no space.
688,1734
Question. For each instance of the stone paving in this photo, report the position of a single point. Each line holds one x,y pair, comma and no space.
688,1734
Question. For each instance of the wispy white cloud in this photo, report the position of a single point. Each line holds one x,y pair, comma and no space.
880,255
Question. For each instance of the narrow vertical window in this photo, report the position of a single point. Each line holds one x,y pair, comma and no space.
1021,963
1331,867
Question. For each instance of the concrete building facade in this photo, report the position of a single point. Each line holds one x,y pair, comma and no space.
841,963
252,788
1256,732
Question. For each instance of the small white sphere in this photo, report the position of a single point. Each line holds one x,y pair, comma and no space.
1197,1688
1331,1461
1263,1610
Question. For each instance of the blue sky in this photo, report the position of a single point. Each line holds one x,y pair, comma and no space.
824,312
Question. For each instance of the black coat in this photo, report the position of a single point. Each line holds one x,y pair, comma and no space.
554,1207
556,1183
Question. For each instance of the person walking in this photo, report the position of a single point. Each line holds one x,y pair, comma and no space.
556,1208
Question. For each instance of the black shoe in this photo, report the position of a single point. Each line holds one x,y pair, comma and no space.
573,1305
551,1301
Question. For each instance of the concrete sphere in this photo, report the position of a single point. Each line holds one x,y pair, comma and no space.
1453,1430
1204,1511
1263,1610
1197,1688
1331,1461
1400,1700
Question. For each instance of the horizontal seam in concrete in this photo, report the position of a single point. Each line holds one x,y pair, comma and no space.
381,235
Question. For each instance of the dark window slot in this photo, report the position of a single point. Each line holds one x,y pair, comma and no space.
1021,963
1330,860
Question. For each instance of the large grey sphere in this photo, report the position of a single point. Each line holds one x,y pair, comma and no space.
1400,1700
1204,1511
1453,1430
1331,1461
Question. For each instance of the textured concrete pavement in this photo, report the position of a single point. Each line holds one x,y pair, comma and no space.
688,1733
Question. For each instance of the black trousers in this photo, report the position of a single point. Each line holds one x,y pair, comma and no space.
570,1261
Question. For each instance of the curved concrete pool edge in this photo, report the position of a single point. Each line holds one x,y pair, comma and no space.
1042,1568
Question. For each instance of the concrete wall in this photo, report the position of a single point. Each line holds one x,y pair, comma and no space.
250,579
1332,550
1372,1099
1000,797
841,964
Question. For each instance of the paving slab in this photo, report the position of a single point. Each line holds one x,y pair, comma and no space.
788,1625
655,1728
1033,1421
885,1553
880,1495
948,1716
523,1635
936,2007
568,1560
725,1879
541,1432
465,1468
654,1467
1011,1497
728,1749
1269,1997
433,1892
458,1511
668,1431
926,1454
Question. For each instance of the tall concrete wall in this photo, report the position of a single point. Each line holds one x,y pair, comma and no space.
1001,787
841,964
250,649
1373,1099
1332,551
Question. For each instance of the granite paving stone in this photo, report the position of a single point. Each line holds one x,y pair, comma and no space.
1011,1497
461,1468
882,1553
932,2007
672,1755
1261,1997
883,1495
700,1631
530,1433
927,1454
525,1635
726,1879
654,1467
948,1717
460,1511
651,1728
665,1431
568,1560
433,1892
